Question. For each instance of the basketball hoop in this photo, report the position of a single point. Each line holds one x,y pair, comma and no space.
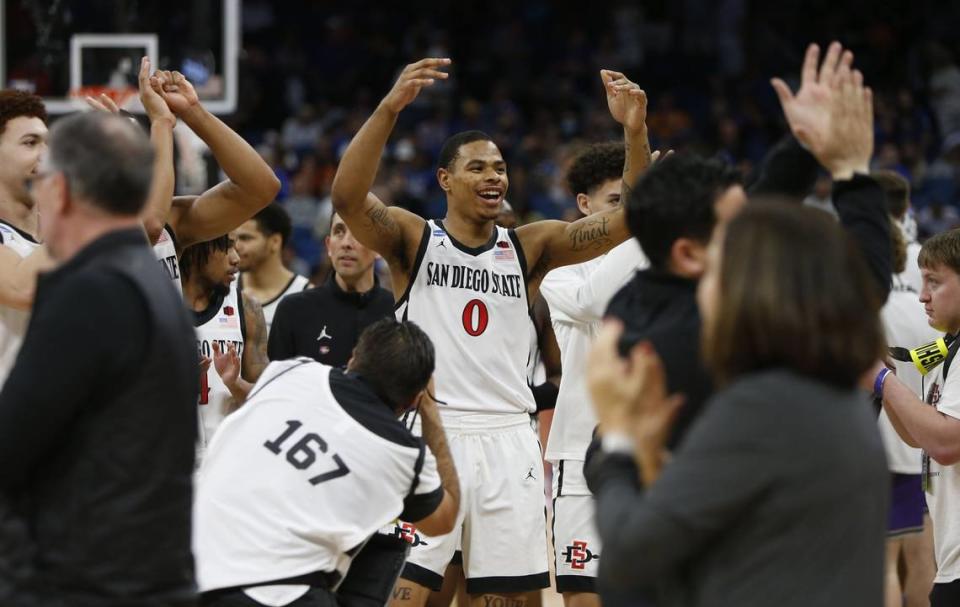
119,95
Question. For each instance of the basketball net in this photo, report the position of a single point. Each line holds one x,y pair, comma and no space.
119,95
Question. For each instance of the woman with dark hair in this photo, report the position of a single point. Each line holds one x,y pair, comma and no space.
778,494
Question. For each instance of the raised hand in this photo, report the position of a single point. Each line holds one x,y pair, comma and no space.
176,91
626,100
818,111
103,103
412,80
850,145
156,108
656,155
226,363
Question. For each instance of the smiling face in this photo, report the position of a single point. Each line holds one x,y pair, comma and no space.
476,181
22,144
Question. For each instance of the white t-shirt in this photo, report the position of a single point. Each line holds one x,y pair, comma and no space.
910,279
943,491
578,296
304,473
906,326
13,322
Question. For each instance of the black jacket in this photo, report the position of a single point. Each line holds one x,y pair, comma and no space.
98,423
778,497
325,322
662,308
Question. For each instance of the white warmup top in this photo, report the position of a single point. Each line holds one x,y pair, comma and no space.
906,326
578,296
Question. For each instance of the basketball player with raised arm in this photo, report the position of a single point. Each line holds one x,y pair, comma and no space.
260,242
174,223
227,321
577,296
469,285
182,221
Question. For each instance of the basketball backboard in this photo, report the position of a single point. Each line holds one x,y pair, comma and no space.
57,47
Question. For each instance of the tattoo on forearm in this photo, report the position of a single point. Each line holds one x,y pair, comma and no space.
380,220
255,353
592,234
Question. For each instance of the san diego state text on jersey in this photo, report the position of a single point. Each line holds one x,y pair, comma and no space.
479,280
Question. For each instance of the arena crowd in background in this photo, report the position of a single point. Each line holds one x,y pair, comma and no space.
520,72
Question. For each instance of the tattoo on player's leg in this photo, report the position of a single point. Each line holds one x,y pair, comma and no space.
401,593
494,600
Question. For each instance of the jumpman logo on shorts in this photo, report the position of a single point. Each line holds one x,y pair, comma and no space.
530,474
323,333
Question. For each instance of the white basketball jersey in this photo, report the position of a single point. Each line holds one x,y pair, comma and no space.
292,483
222,323
13,322
166,253
905,324
472,302
297,283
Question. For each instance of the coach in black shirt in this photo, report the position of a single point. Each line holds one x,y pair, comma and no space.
325,322
98,415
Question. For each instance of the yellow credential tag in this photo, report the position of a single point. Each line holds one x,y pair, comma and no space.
928,356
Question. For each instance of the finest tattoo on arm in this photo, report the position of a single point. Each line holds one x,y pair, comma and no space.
591,234
255,350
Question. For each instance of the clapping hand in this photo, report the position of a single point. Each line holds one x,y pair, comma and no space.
226,363
630,394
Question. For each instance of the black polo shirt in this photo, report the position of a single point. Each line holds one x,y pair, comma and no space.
324,323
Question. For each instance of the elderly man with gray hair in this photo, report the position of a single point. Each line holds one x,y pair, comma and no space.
98,415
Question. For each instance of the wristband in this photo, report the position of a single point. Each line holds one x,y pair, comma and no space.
879,381
617,442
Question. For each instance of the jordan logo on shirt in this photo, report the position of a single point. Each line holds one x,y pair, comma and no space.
442,244
324,334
